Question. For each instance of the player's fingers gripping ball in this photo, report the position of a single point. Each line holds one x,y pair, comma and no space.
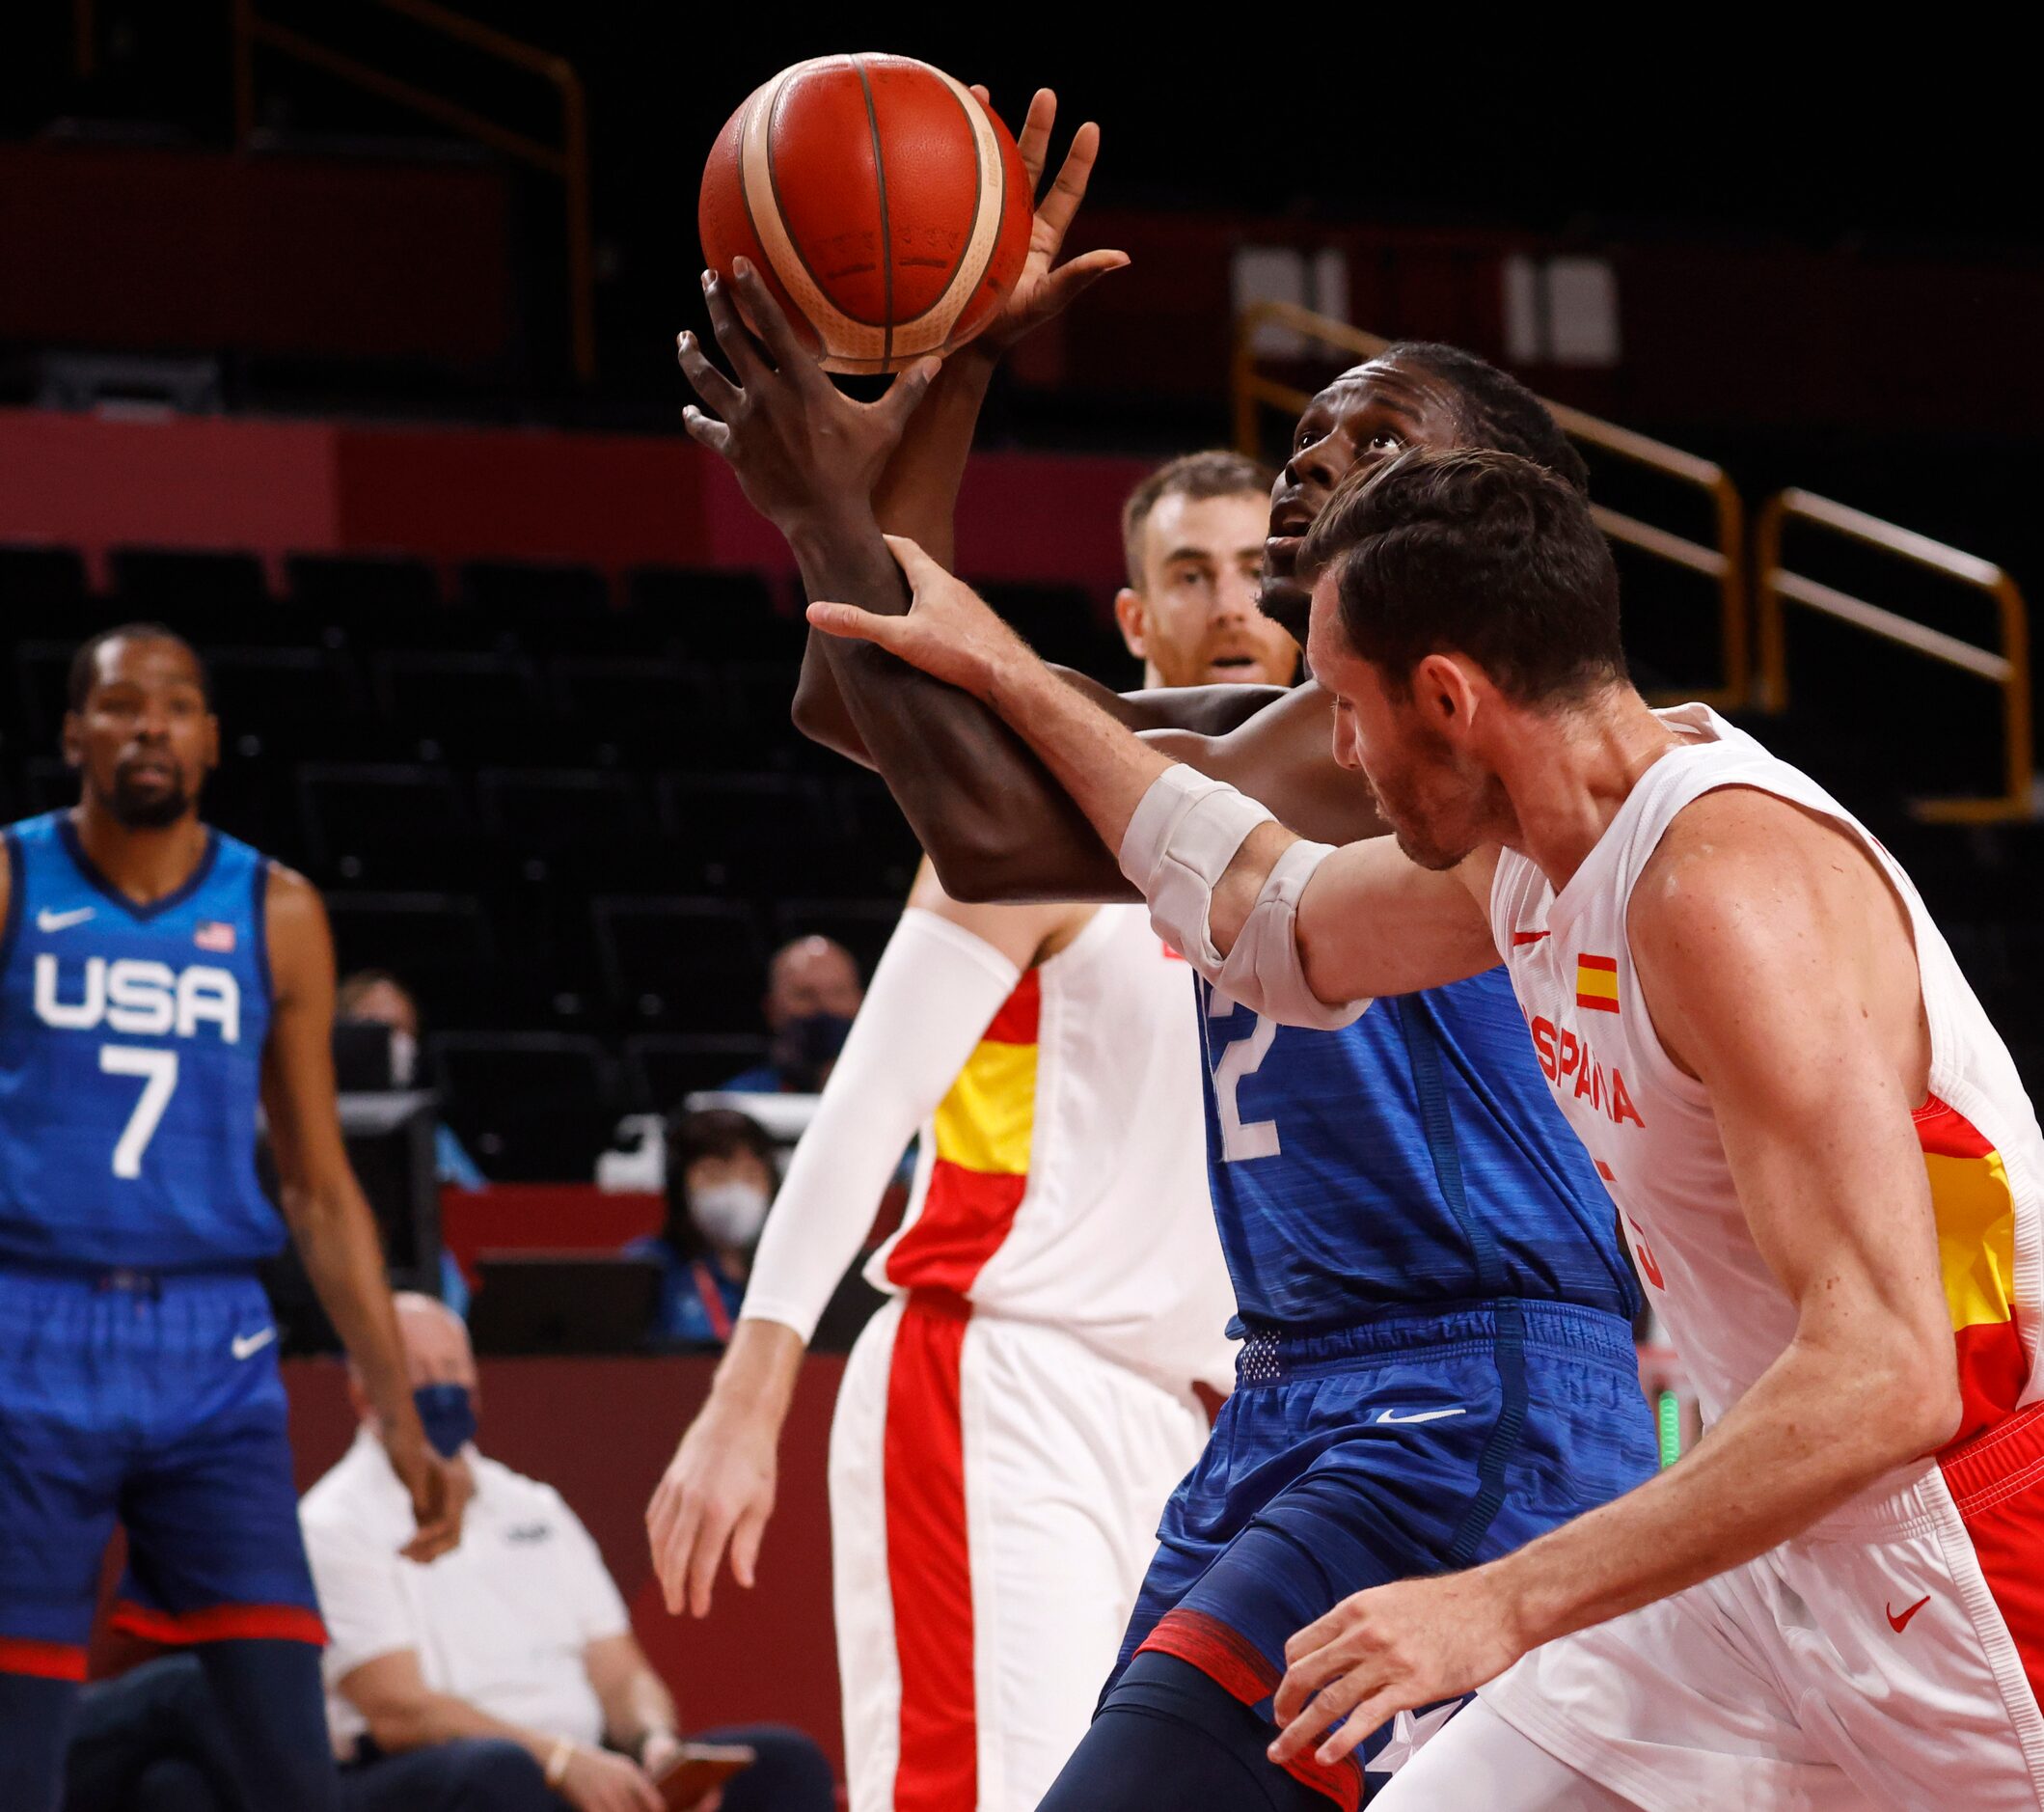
884,204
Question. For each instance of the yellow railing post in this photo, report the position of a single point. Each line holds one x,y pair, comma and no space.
1724,564
2007,669
568,161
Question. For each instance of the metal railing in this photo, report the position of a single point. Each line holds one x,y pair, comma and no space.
568,161
2007,669
1723,562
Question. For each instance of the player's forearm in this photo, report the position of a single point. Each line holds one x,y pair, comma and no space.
917,494
336,1236
990,817
1817,1427
755,1378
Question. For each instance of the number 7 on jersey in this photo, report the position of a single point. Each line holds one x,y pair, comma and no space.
159,1069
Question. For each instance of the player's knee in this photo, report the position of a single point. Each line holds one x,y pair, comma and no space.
496,1776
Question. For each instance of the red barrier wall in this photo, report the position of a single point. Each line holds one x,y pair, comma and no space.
601,1431
611,501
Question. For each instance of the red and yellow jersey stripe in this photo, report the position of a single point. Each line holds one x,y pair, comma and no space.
980,1170
1975,1212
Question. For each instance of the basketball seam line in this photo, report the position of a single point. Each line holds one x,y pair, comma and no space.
887,239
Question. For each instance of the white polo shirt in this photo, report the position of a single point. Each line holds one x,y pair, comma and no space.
502,1621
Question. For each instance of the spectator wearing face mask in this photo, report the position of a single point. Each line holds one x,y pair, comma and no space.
375,997
504,1676
813,993
722,1175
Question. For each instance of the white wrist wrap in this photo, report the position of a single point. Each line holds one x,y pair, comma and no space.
1184,832
1178,845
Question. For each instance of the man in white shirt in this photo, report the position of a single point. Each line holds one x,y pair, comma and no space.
497,1681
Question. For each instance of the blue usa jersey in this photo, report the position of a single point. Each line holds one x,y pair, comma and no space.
1326,1152
130,1054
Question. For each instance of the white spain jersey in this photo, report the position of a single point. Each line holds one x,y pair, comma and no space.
1064,1177
1653,1136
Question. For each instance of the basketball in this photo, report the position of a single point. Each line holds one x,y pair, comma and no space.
885,205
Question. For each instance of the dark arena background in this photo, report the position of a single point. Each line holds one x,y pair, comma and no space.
341,338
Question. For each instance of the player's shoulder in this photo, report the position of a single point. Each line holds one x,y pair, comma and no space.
1023,932
1737,846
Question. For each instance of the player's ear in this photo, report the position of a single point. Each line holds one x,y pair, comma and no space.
212,742
1132,616
1446,692
73,741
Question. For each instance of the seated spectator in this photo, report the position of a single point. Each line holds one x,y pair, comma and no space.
379,998
722,1175
813,992
496,1676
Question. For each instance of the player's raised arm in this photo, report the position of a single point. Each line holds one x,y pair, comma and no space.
323,1204
944,973
1268,916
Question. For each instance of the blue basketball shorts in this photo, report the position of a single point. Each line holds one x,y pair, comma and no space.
151,1399
1414,1444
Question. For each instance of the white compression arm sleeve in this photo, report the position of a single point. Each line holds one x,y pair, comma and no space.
1183,836
934,992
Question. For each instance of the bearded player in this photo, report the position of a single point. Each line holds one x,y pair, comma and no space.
1826,1163
158,981
1009,1427
1440,1362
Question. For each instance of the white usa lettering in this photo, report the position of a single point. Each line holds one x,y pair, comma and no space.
142,998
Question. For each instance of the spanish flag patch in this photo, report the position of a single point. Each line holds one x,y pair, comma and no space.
1597,983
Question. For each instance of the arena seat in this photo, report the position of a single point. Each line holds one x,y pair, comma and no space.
279,702
42,680
530,1105
545,605
663,1068
42,592
555,813
377,600
649,709
717,616
207,595
476,707
680,963
441,945
391,824
753,834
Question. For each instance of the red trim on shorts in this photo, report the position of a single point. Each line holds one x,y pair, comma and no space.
45,1660
929,1562
1238,1666
221,1623
1993,1480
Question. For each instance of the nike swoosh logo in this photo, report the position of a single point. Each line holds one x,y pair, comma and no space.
1418,1415
246,1343
47,920
1901,1623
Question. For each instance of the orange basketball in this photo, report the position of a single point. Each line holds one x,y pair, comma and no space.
887,208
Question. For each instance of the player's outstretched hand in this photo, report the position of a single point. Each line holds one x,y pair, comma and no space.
717,1490
440,1491
803,449
950,631
1046,288
1392,1649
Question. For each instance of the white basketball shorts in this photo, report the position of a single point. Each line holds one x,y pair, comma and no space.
994,1493
1893,1657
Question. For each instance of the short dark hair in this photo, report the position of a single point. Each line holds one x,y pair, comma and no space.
1198,476
705,1132
1497,410
1482,552
85,664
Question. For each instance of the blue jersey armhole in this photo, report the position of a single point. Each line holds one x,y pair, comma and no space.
16,892
259,927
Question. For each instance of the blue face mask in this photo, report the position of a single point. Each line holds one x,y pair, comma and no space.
448,1414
